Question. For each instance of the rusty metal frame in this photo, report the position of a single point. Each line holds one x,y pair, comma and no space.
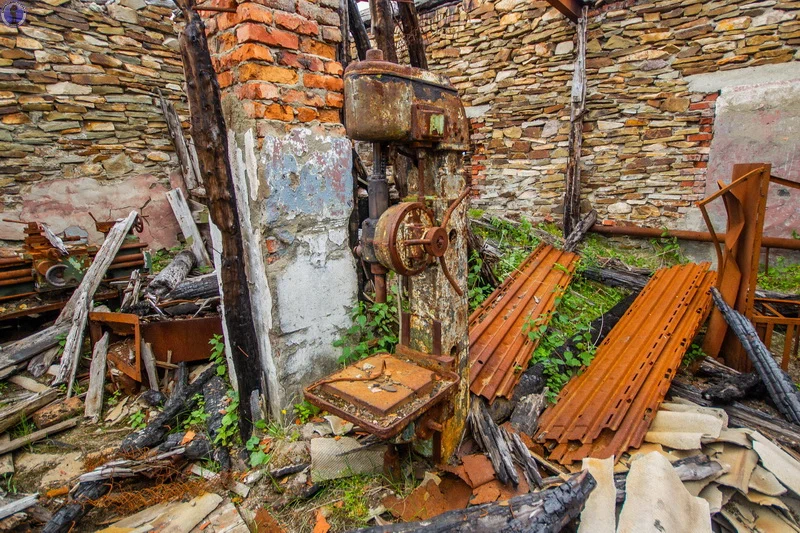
500,348
609,407
312,394
766,317
745,201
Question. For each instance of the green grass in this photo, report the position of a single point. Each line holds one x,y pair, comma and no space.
782,277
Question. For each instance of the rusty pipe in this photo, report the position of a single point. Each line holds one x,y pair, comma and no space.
684,235
15,281
14,274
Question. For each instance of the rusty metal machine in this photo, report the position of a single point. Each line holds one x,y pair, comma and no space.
422,391
47,265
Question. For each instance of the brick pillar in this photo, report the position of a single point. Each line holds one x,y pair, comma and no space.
282,94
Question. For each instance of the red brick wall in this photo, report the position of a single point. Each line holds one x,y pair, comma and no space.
280,58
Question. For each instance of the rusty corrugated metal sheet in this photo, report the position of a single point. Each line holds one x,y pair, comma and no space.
499,348
608,408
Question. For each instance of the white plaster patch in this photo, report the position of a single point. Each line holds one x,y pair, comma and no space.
716,81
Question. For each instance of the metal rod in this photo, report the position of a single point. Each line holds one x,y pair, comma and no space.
684,235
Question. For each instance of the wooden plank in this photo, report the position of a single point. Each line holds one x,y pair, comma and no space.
18,505
94,275
569,8
190,179
185,220
149,361
72,348
37,435
20,351
97,379
6,460
28,383
12,414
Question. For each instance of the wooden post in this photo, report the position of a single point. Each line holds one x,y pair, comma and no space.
383,28
357,29
572,192
409,22
189,229
190,179
210,136
97,380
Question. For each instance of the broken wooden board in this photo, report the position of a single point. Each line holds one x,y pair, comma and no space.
169,517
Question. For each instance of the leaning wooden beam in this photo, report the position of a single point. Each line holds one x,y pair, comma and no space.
189,229
37,435
548,511
97,380
210,135
409,22
66,517
383,28
357,29
579,231
70,359
572,193
780,386
179,142
11,415
100,263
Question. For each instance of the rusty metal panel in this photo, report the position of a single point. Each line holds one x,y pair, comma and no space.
766,316
608,408
745,201
500,349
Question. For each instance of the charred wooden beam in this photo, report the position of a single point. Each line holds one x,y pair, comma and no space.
616,277
171,276
779,385
491,440
205,286
210,136
183,399
409,23
547,511
357,29
580,230
383,28
215,393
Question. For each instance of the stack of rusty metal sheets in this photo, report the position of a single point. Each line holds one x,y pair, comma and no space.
499,347
609,407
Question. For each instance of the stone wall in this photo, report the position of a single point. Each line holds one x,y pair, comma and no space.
282,93
647,134
81,129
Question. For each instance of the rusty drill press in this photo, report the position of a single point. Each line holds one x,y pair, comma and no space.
423,389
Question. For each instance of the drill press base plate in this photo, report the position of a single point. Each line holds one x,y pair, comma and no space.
384,393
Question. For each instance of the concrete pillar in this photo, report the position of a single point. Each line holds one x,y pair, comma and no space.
282,94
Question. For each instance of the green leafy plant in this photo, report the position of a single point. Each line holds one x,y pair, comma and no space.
23,428
305,410
693,354
198,416
576,308
228,433
3,387
477,290
782,276
258,453
162,258
114,398
62,342
374,330
137,419
218,355
668,248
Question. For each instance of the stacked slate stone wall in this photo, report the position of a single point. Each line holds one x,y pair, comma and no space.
81,128
646,136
